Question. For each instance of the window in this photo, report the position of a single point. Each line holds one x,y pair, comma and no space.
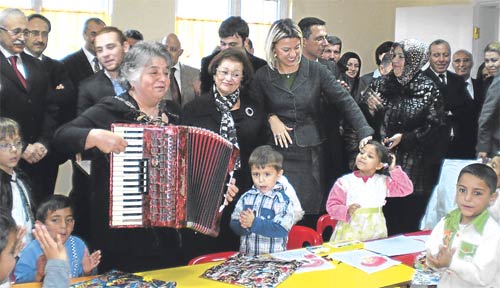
198,28
67,19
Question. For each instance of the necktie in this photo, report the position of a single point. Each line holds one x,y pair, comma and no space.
96,67
442,78
13,61
174,87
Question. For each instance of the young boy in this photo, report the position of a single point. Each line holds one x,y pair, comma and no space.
264,215
15,195
10,243
465,244
57,215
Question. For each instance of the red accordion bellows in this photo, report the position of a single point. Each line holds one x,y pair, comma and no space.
172,176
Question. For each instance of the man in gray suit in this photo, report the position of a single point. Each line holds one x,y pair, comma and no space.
187,77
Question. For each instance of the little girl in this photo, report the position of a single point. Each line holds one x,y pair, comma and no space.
356,199
15,193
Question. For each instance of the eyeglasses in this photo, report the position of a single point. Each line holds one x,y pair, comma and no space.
16,32
6,147
234,75
36,33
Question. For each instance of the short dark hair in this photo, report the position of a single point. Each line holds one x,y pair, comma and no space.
306,23
7,226
41,17
93,19
134,34
265,155
53,203
334,40
439,42
483,172
234,25
385,47
112,29
235,54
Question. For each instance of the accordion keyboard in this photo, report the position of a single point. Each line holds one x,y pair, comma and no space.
129,179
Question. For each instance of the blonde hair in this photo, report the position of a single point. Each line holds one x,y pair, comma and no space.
283,28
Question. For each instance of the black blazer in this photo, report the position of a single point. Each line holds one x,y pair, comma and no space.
62,90
207,81
92,90
250,122
461,115
28,106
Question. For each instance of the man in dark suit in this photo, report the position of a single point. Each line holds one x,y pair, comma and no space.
83,63
110,46
462,63
187,77
458,136
24,92
61,94
232,33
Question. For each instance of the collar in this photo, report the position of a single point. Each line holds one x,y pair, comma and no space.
376,74
365,178
452,220
7,54
445,73
278,188
90,56
13,177
31,54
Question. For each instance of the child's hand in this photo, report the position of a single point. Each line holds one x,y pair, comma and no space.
51,248
40,268
246,218
392,166
352,208
91,261
442,259
231,192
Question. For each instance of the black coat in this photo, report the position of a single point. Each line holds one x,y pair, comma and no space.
461,116
250,122
92,90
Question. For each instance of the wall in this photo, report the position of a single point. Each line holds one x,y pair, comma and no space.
361,24
154,18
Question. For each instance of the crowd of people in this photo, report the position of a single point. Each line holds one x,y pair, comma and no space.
314,137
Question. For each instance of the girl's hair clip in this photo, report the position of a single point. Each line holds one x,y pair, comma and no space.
386,165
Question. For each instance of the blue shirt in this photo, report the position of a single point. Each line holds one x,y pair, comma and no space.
274,214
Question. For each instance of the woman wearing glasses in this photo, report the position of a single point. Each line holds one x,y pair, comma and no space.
291,89
227,110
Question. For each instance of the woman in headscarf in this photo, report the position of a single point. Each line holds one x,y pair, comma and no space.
350,67
407,113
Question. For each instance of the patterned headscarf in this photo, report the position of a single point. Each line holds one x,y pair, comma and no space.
416,57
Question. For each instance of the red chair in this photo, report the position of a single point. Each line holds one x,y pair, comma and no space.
302,236
213,257
325,222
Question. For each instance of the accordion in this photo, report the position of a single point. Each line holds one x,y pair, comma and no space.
169,176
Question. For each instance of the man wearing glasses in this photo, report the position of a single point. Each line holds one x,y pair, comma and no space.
24,92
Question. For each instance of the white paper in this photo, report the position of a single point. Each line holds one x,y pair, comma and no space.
398,245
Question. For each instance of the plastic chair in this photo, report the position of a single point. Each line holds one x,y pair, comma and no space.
302,236
325,222
212,257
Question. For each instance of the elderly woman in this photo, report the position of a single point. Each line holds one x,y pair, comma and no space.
291,89
408,113
228,111
145,74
